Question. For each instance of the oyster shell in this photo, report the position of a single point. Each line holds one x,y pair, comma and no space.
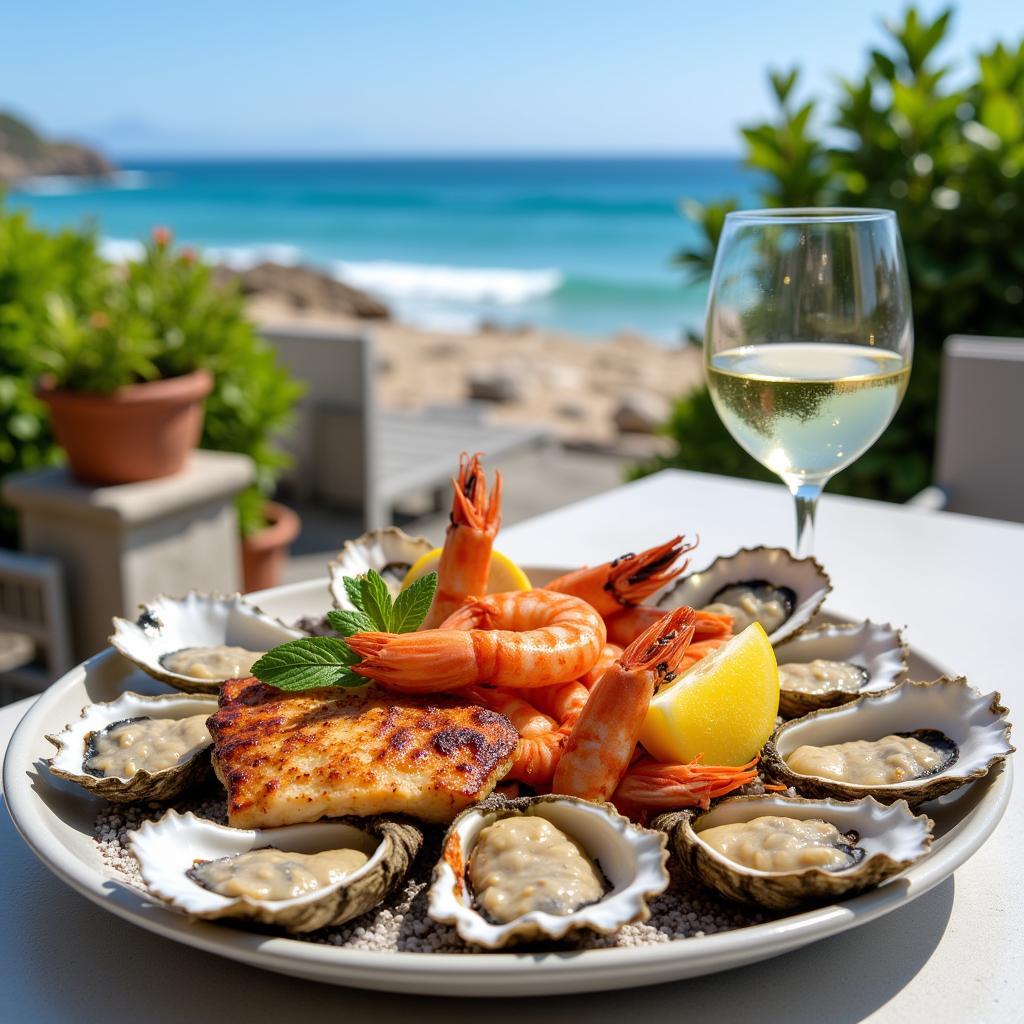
390,551
632,860
168,848
875,647
171,624
803,584
890,836
975,722
73,748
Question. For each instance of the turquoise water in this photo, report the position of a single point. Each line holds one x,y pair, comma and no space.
579,244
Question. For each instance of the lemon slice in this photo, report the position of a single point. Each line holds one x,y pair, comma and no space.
723,707
505,575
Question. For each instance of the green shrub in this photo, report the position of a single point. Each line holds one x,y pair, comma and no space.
93,327
950,161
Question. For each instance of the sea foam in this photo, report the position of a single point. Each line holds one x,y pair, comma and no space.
398,281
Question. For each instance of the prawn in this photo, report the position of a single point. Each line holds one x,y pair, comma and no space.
603,741
627,580
466,559
650,784
524,639
628,623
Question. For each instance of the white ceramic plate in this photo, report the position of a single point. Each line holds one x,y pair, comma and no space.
56,820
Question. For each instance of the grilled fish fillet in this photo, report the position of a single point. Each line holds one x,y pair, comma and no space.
287,758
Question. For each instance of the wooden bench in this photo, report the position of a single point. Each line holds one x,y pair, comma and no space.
352,455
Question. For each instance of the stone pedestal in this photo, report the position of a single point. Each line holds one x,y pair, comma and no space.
124,545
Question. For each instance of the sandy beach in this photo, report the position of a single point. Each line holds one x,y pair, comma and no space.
606,394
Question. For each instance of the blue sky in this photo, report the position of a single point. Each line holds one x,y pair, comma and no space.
434,76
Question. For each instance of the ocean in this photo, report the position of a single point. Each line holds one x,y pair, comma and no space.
583,245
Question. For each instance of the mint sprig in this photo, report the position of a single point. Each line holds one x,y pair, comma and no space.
318,661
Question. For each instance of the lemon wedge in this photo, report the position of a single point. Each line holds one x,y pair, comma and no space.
722,708
505,575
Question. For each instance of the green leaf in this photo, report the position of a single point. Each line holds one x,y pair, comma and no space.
413,603
307,664
347,623
354,590
376,600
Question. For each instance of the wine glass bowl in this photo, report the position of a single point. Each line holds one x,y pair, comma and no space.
808,341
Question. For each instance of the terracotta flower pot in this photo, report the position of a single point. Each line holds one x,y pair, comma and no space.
139,432
264,553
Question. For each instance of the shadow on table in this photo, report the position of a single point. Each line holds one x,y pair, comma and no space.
840,979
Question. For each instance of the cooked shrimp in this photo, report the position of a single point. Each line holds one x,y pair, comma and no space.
523,639
603,741
610,654
627,580
466,559
652,784
628,623
541,737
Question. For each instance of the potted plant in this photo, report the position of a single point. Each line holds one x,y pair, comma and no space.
125,381
159,332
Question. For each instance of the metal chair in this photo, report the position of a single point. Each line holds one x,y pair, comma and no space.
33,607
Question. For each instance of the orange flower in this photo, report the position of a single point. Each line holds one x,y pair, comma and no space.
98,320
162,236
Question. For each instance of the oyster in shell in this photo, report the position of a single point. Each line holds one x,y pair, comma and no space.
630,859
874,654
170,848
959,733
874,841
169,626
76,746
769,585
389,551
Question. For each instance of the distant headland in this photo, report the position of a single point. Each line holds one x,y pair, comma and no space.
24,153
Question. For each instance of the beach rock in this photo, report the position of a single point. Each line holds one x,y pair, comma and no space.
495,384
640,412
26,154
306,288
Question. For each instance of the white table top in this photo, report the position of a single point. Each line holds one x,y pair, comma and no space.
955,954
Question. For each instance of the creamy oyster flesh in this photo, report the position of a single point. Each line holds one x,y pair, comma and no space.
822,676
754,601
885,762
270,874
525,863
124,748
774,843
212,662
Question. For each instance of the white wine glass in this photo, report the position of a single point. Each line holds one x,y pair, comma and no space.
808,341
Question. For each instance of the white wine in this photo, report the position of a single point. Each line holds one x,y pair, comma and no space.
806,409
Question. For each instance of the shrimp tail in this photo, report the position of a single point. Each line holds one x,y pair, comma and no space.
628,580
425,662
651,784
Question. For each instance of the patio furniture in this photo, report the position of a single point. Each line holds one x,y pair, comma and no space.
35,640
351,454
979,465
950,956
119,546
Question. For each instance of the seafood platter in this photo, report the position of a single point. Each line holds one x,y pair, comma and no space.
606,775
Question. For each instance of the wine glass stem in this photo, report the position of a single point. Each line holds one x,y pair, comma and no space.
806,493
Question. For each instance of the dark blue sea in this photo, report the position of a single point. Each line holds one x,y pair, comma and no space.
581,244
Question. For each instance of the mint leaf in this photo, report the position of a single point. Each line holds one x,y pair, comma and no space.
354,591
413,603
308,663
346,623
376,600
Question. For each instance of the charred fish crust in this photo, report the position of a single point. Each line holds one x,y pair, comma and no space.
338,752
449,740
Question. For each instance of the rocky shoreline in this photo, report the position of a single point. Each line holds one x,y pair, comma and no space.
25,154
611,394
